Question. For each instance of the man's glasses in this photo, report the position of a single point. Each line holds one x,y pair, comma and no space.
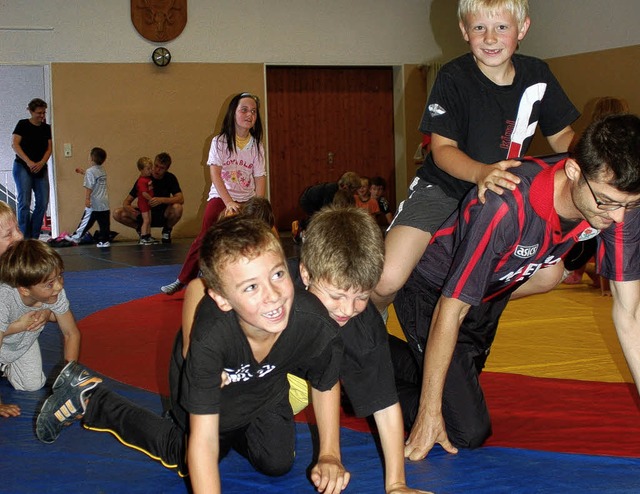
610,206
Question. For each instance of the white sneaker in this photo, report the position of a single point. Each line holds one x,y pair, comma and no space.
172,288
103,244
148,241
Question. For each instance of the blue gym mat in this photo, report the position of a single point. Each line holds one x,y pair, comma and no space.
89,462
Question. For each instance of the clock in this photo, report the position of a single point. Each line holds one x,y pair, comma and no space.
161,56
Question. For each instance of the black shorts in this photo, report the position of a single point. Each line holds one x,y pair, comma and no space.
157,216
464,408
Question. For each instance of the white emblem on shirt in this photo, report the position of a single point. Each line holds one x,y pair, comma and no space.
526,251
435,109
244,372
588,233
529,270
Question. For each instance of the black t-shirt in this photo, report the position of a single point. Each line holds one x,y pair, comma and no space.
316,197
367,371
34,142
309,347
489,122
167,186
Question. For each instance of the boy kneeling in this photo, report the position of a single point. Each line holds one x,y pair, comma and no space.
32,294
249,331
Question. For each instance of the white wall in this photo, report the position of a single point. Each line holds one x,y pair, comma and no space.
367,32
569,27
331,32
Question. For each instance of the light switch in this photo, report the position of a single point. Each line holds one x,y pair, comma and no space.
67,150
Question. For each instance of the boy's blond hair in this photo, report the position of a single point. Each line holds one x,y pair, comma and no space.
518,8
230,240
349,181
6,213
344,247
29,262
143,162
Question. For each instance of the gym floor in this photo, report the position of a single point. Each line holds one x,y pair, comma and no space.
564,410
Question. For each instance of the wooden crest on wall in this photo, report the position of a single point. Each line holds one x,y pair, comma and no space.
159,20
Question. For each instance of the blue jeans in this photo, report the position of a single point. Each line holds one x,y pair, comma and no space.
30,223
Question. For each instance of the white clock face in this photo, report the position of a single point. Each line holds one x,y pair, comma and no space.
161,56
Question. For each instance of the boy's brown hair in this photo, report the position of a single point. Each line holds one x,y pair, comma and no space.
608,105
29,262
344,247
259,207
232,239
518,8
98,155
343,198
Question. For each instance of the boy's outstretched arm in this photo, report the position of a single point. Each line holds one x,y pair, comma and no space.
429,427
71,335
203,454
391,430
458,164
7,410
192,297
328,475
560,141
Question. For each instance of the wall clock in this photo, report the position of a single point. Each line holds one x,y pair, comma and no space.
161,56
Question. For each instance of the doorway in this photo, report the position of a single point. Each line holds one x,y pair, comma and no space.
19,84
322,122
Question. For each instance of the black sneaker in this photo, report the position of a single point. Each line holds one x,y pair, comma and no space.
166,236
71,390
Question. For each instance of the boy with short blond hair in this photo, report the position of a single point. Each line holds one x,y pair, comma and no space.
9,231
482,114
234,381
144,187
31,294
341,262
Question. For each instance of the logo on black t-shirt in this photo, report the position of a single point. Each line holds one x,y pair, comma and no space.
526,251
588,233
435,109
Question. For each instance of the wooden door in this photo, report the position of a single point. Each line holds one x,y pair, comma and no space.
322,122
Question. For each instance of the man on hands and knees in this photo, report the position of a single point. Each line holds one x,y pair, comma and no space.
450,307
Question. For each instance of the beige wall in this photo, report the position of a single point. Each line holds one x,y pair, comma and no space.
133,110
415,96
587,76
